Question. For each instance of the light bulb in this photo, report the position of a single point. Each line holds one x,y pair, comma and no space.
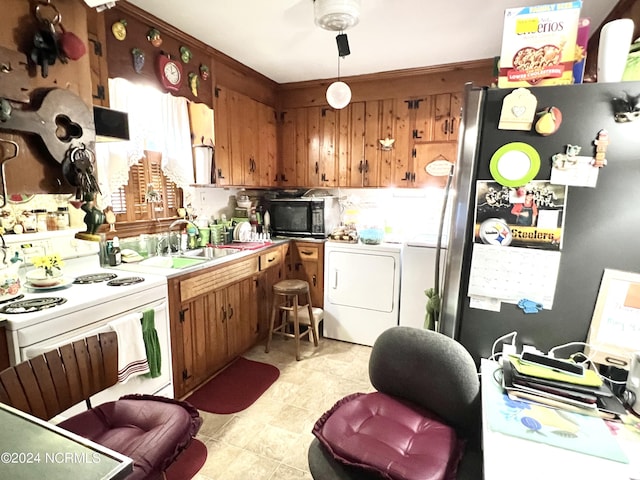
338,95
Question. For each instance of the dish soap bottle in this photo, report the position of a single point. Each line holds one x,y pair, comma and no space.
115,255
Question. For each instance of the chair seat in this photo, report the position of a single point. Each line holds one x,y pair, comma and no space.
150,430
393,438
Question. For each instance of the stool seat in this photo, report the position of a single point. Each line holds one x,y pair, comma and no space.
291,287
286,302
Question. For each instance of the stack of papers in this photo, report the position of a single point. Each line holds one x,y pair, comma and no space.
585,394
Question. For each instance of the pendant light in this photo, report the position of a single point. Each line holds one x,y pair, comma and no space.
339,94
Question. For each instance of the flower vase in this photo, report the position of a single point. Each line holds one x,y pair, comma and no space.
41,277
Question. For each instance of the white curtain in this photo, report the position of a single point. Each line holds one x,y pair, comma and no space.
158,122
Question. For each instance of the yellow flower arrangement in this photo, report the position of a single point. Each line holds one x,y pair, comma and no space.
48,263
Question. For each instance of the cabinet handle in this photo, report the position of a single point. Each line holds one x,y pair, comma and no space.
453,126
220,173
413,176
269,260
317,168
224,313
446,126
306,252
315,281
230,312
366,166
360,167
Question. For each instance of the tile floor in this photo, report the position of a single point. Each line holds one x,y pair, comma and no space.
269,440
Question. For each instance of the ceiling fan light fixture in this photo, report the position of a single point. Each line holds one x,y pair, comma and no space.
336,15
338,95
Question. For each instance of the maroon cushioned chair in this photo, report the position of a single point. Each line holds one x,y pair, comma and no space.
422,423
150,430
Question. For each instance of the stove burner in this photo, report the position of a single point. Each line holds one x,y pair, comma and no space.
12,299
32,305
95,278
118,282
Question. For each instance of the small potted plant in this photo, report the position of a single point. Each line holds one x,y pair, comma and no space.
48,271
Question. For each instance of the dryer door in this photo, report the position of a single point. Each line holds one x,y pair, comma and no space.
362,280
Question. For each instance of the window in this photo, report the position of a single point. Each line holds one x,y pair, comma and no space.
135,200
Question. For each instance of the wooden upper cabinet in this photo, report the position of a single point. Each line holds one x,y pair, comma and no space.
267,146
246,140
223,138
446,116
322,138
427,153
351,145
293,148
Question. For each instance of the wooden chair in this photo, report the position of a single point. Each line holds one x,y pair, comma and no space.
150,430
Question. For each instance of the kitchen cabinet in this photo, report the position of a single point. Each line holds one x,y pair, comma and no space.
201,124
292,171
214,318
305,261
246,147
321,155
271,272
426,130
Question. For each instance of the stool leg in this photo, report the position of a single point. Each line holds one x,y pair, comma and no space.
274,308
312,321
296,326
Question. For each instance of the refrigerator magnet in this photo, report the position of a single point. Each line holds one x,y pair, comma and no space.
518,110
514,164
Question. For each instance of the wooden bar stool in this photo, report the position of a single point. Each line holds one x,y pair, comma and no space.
286,303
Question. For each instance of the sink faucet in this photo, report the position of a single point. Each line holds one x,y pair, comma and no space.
192,231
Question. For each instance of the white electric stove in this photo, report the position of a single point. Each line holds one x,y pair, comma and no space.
81,307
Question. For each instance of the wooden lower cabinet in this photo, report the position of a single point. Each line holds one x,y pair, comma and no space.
219,313
306,262
213,319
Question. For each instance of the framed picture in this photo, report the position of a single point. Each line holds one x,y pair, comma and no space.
614,333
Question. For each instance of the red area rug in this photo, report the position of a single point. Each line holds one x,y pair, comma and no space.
188,462
235,388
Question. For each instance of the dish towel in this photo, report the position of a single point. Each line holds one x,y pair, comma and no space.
132,356
151,343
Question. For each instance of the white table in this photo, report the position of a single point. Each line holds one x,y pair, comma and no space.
508,457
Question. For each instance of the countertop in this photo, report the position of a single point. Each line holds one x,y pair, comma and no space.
176,272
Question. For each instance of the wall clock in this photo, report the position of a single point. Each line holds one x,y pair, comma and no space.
169,72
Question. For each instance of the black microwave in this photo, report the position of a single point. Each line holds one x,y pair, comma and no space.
314,217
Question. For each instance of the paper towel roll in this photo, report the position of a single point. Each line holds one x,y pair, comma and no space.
615,40
202,160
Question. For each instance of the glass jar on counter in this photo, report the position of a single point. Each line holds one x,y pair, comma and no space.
63,218
41,219
52,221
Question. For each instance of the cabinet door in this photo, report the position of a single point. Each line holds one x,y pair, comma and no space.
191,333
321,129
379,125
425,153
242,315
266,167
293,148
223,137
307,263
446,116
402,161
244,139
351,145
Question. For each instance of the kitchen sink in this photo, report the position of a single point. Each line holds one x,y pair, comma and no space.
210,252
172,262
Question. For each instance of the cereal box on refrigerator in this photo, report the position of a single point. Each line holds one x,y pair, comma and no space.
539,45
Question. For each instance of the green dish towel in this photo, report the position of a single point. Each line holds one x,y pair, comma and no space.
151,344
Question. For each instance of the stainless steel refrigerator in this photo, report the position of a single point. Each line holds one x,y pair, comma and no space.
600,226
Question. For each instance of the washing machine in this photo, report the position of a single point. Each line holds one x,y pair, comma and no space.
361,290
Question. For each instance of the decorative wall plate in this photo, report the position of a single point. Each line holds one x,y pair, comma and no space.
514,164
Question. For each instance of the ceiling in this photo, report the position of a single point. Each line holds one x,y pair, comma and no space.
278,38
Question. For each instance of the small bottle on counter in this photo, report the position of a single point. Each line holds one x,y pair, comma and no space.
63,218
52,221
115,255
41,219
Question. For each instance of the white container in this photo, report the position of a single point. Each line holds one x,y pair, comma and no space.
615,40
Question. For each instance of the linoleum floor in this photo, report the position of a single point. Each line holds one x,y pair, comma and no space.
269,440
